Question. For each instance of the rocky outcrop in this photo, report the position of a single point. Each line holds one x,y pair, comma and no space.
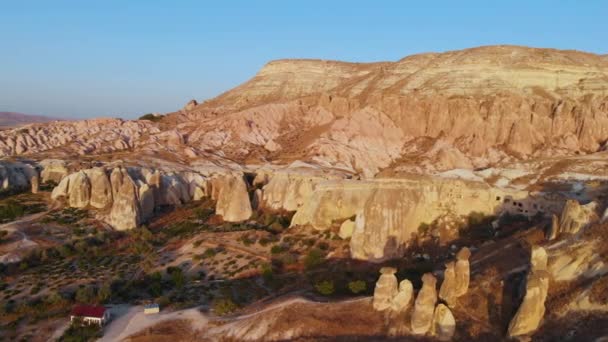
463,272
78,137
424,306
232,198
386,289
53,170
578,259
130,195
346,229
289,190
390,212
574,217
402,300
101,188
444,324
532,309
79,193
125,212
447,292
17,176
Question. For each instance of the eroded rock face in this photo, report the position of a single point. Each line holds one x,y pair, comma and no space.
463,271
101,189
18,176
390,212
402,300
532,309
386,289
574,217
394,210
575,260
444,324
447,292
79,194
53,170
125,212
289,190
424,306
232,198
140,191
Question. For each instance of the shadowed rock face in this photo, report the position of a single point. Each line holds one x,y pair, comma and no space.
532,309
18,176
574,217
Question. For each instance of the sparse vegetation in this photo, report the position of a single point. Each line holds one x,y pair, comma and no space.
325,287
357,286
223,306
151,117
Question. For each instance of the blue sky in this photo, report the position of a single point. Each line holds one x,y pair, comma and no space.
126,58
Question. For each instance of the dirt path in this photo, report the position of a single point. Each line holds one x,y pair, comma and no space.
24,243
235,248
128,320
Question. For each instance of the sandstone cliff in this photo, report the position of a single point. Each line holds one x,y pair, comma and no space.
127,196
389,212
430,112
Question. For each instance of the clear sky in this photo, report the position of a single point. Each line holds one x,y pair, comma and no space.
122,58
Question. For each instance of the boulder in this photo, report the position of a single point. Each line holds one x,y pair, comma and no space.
79,193
101,189
444,324
125,212
424,306
386,289
232,198
402,300
346,229
61,190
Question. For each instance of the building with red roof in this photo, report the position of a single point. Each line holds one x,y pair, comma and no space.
90,314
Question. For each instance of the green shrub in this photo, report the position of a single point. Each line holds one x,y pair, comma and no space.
150,117
78,332
314,258
423,228
357,286
203,214
276,249
325,287
223,306
11,210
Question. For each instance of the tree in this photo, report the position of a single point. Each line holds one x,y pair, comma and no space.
177,276
104,293
314,258
357,286
84,294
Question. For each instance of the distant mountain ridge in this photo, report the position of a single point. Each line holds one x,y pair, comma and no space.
10,119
